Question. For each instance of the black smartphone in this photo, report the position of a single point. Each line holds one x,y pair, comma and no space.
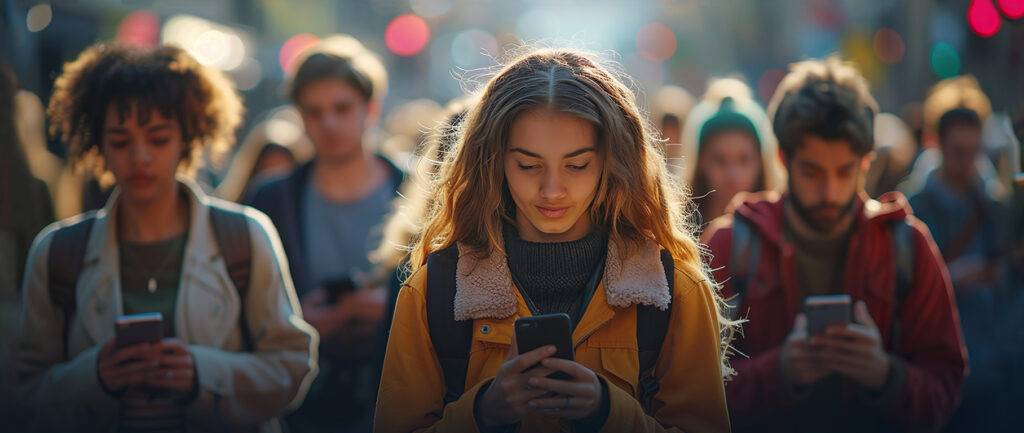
547,329
827,310
335,288
138,328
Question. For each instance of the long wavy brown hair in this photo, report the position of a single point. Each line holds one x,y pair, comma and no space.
636,199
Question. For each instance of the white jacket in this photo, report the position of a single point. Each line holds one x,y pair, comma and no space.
244,391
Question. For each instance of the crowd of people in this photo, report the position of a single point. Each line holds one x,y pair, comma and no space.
335,278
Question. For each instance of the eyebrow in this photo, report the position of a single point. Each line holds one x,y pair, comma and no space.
151,128
568,155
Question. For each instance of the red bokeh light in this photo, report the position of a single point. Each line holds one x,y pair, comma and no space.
889,46
1013,9
656,42
983,18
139,28
293,48
406,35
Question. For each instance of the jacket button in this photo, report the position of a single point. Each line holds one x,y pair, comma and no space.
485,329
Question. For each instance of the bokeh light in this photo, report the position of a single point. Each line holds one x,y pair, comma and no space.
39,17
139,28
656,42
474,48
248,75
984,18
1013,9
768,82
945,61
406,35
211,44
431,8
889,46
293,48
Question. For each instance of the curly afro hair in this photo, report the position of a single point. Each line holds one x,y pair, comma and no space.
203,100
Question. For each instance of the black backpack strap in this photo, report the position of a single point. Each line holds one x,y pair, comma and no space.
232,232
64,264
451,338
902,234
651,327
744,255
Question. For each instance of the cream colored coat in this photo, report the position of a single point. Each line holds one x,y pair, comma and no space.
244,391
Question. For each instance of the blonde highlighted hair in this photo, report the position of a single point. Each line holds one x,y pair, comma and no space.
636,199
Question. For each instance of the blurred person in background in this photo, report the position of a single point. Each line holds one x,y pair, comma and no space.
894,153
898,365
234,353
670,106
728,148
25,208
408,128
31,124
273,148
330,212
969,228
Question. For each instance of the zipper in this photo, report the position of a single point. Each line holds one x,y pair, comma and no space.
585,337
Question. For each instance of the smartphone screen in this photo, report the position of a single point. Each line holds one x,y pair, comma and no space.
825,311
548,329
138,328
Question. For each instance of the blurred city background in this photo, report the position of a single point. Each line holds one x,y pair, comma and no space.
434,48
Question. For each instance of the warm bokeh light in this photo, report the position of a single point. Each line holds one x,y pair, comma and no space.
39,17
983,18
293,48
139,28
889,46
656,42
1013,9
406,35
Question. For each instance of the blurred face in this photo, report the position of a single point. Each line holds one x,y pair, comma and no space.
553,170
824,176
960,146
143,157
731,163
335,115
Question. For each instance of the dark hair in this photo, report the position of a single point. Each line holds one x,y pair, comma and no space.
202,99
957,117
344,58
826,98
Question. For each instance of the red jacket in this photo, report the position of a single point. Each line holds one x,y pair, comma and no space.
930,345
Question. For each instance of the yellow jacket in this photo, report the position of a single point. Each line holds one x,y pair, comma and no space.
689,367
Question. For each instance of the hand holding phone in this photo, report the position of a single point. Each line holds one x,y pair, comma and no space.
826,310
548,329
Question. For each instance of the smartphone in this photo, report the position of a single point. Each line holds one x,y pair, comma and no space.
547,329
138,328
335,288
826,310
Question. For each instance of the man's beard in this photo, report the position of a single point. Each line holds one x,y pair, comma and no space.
821,225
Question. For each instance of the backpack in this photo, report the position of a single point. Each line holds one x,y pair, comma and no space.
67,253
452,338
746,249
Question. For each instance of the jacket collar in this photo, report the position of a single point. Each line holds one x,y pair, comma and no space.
484,288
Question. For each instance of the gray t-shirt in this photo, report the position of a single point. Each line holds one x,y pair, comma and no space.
339,236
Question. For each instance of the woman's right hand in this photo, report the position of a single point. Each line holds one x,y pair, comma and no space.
130,366
508,395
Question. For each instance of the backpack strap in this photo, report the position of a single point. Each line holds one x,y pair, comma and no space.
232,232
744,255
651,326
64,263
902,234
451,338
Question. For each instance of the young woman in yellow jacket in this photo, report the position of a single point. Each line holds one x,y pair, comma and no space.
558,201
